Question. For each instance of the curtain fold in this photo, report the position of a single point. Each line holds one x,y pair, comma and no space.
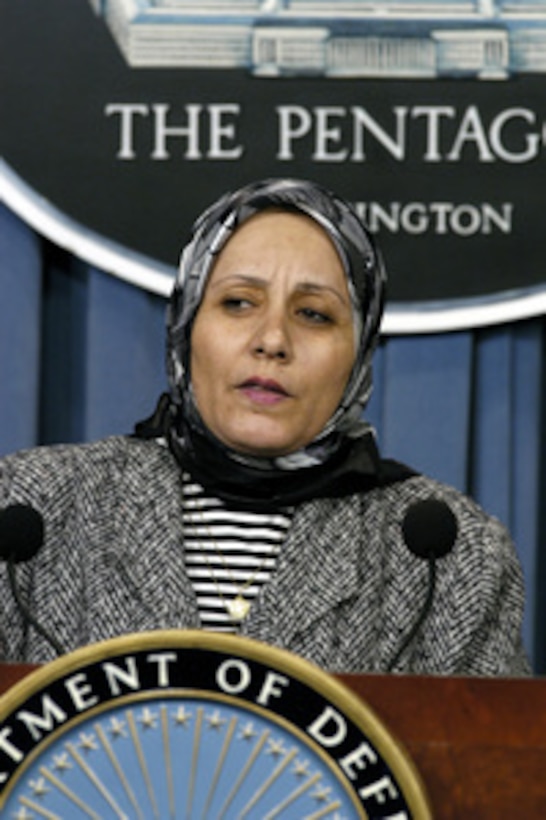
507,436
20,332
125,350
426,391
82,357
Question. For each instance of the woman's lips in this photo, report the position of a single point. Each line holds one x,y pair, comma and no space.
263,391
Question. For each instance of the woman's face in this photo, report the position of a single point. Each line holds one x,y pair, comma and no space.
272,344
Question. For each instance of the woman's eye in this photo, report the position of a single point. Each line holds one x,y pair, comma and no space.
315,316
236,303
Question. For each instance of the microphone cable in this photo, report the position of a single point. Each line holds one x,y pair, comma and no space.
21,536
430,531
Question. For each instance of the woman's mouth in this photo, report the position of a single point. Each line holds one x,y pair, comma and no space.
263,391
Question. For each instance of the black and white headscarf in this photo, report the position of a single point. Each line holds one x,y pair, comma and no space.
365,278
343,456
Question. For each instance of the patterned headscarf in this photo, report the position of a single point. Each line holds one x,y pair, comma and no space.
365,278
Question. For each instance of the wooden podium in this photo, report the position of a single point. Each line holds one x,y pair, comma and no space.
479,744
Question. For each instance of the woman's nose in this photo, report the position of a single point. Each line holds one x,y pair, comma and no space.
272,338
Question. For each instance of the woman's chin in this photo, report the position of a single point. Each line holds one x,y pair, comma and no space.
263,445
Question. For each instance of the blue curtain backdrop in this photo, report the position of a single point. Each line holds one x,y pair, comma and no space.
82,353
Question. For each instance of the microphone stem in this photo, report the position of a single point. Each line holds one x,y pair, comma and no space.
27,614
431,560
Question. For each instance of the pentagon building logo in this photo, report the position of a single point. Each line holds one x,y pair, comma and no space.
488,39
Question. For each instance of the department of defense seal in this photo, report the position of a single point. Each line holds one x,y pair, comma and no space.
190,724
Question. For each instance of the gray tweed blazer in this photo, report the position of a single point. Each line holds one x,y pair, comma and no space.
345,593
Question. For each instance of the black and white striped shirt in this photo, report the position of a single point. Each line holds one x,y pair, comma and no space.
229,553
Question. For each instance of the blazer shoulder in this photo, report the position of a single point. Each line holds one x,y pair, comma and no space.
60,469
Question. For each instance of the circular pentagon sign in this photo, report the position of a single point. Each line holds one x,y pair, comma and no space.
189,724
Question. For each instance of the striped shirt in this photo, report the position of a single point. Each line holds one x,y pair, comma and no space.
229,554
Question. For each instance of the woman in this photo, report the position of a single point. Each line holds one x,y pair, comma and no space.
255,500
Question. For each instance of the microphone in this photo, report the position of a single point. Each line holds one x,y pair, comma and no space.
21,533
430,531
429,528
21,536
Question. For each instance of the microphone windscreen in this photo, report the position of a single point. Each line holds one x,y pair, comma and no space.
429,528
21,533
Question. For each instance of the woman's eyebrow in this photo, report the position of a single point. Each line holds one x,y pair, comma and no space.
317,287
238,278
305,286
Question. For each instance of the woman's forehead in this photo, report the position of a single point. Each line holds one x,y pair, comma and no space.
276,237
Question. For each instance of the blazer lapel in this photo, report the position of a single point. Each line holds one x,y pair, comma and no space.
144,579
317,570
